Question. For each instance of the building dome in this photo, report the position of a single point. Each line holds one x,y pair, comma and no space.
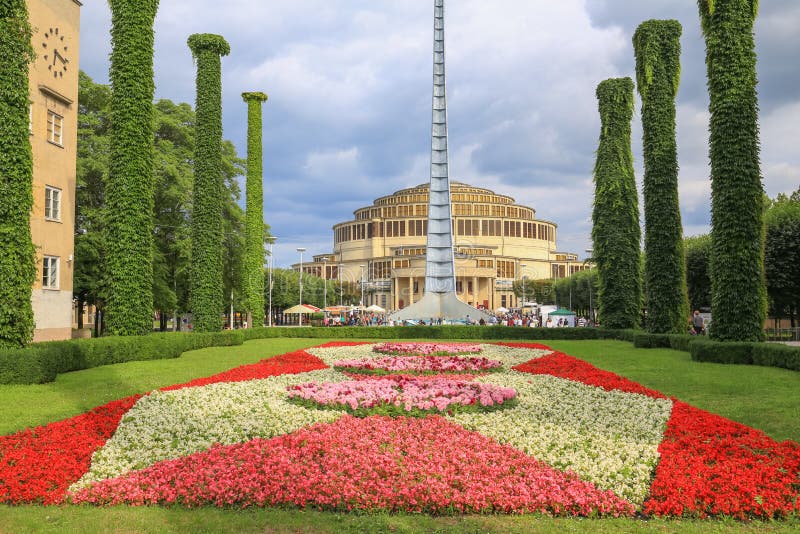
496,241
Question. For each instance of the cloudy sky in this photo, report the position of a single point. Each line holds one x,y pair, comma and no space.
349,84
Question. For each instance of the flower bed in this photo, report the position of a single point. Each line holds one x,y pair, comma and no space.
402,397
571,436
38,464
404,464
427,349
418,365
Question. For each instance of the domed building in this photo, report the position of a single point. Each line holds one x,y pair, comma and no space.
496,241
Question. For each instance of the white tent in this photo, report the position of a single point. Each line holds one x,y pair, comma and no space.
375,309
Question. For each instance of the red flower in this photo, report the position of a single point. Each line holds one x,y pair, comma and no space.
378,463
39,464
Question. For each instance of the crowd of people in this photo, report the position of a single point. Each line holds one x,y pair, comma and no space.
511,319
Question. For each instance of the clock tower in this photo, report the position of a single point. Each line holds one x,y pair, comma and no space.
53,89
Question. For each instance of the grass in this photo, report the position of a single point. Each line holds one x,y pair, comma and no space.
764,398
761,397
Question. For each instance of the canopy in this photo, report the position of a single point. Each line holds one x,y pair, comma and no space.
561,312
302,309
501,310
375,309
338,310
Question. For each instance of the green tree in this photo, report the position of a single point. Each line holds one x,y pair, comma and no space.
658,49
782,256
615,230
254,256
207,232
698,279
129,191
174,145
17,255
738,291
578,292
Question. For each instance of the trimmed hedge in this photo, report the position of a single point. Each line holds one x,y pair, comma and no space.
498,333
747,353
42,362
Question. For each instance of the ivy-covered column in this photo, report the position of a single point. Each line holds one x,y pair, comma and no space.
206,270
657,47
254,221
129,192
615,230
17,255
738,293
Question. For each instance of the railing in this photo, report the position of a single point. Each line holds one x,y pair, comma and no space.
783,334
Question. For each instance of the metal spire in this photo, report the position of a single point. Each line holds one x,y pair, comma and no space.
440,267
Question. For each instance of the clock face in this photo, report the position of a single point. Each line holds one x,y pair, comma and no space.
55,52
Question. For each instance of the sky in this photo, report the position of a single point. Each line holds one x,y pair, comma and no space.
350,81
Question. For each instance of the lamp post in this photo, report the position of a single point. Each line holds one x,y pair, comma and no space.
341,290
589,278
522,270
362,287
324,283
301,250
271,263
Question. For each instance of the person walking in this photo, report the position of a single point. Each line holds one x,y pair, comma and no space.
698,323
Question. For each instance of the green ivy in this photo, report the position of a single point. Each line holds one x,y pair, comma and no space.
738,292
658,49
129,192
254,255
615,230
17,254
206,269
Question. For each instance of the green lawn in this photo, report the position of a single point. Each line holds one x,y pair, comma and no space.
764,398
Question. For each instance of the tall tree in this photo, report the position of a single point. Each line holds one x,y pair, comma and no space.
254,257
206,277
174,146
658,70
738,291
782,257
17,260
615,230
129,194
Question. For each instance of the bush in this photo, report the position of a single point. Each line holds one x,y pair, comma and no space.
645,340
713,351
42,362
680,341
776,355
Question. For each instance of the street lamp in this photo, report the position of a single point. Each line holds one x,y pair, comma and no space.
271,264
362,287
339,274
324,283
301,250
589,278
522,269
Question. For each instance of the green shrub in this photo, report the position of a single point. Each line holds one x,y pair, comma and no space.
651,341
680,341
42,362
776,355
739,352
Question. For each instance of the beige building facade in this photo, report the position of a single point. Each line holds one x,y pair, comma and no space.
53,127
496,242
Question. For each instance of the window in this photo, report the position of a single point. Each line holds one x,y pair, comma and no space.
55,128
50,272
505,269
52,203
